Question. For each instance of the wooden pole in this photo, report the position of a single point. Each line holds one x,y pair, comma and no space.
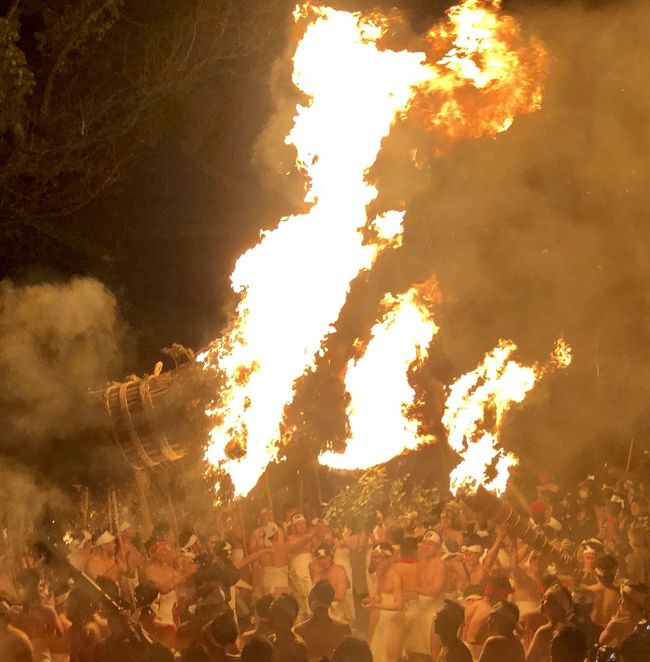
126,584
268,491
629,455
319,489
243,528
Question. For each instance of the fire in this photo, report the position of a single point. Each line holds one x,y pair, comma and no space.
479,400
487,73
378,384
295,281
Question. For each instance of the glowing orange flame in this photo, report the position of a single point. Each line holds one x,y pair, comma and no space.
378,384
294,283
479,400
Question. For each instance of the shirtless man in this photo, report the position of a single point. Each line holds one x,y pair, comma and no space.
407,569
556,606
165,577
324,568
14,644
526,581
387,621
431,581
606,595
275,570
103,562
477,614
38,618
632,608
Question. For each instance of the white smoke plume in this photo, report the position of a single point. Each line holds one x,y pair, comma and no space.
56,342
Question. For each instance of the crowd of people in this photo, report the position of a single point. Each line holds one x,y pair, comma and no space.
445,585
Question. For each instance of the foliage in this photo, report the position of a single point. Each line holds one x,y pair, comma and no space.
86,86
357,504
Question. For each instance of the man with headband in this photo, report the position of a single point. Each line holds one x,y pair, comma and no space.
165,577
431,580
557,606
386,619
324,568
633,607
103,562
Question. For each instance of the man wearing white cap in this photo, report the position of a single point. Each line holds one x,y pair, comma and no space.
103,562
431,579
324,568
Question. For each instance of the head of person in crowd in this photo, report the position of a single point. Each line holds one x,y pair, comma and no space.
352,649
324,557
409,548
450,518
635,600
223,628
430,544
583,603
584,491
472,551
568,645
262,607
146,597
497,589
409,522
538,512
298,524
106,543
80,606
589,551
532,563
270,533
448,621
557,605
160,552
258,649
382,556
265,516
321,597
606,568
163,530
503,619
222,551
638,507
283,613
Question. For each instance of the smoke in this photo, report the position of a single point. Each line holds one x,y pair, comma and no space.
56,342
543,232
537,234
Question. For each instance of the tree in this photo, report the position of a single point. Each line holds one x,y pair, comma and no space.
84,86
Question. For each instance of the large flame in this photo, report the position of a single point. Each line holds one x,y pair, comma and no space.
475,409
378,383
294,283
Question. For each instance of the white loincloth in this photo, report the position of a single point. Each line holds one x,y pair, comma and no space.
371,577
347,609
418,632
166,610
379,643
301,580
273,578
